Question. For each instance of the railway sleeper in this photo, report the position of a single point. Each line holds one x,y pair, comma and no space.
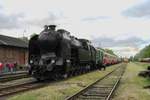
108,80
102,87
105,84
99,90
90,98
97,94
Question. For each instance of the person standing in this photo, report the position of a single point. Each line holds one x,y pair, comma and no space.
11,65
15,66
1,67
7,67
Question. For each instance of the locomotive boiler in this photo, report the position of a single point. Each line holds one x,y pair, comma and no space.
55,53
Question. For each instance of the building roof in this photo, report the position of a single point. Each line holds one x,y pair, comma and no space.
11,41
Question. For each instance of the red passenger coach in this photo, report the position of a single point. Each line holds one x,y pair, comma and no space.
109,59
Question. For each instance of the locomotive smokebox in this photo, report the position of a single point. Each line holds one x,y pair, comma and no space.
52,27
48,39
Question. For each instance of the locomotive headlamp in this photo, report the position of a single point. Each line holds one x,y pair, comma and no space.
52,61
31,61
68,61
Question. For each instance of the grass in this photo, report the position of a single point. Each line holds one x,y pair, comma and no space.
143,64
63,89
131,85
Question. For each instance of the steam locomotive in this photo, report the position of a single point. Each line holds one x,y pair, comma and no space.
55,53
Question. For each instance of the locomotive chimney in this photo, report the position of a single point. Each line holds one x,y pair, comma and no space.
52,27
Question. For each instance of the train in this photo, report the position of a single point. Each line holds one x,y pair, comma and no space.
144,60
104,59
57,54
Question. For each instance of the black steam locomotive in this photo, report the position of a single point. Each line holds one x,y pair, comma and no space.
55,53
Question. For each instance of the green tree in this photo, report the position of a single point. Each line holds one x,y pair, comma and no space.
24,39
110,51
144,53
32,35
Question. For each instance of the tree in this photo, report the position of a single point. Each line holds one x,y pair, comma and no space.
32,35
110,51
24,39
131,58
144,53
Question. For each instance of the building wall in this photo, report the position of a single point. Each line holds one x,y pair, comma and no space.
13,54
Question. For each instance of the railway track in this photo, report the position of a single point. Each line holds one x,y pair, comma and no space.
21,87
14,76
101,89
10,90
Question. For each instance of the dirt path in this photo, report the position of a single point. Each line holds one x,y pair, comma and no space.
131,85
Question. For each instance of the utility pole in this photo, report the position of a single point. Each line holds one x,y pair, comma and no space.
23,35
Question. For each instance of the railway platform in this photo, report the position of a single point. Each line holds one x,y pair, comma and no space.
12,73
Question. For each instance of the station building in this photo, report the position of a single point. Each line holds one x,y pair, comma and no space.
13,50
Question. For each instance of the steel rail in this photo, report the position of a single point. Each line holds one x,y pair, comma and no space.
115,86
13,73
13,77
6,91
73,97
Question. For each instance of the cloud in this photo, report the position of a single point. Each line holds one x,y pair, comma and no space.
110,42
139,10
1,7
51,18
96,18
122,47
126,49
103,19
10,21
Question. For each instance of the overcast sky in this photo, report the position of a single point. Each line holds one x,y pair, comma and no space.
122,25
